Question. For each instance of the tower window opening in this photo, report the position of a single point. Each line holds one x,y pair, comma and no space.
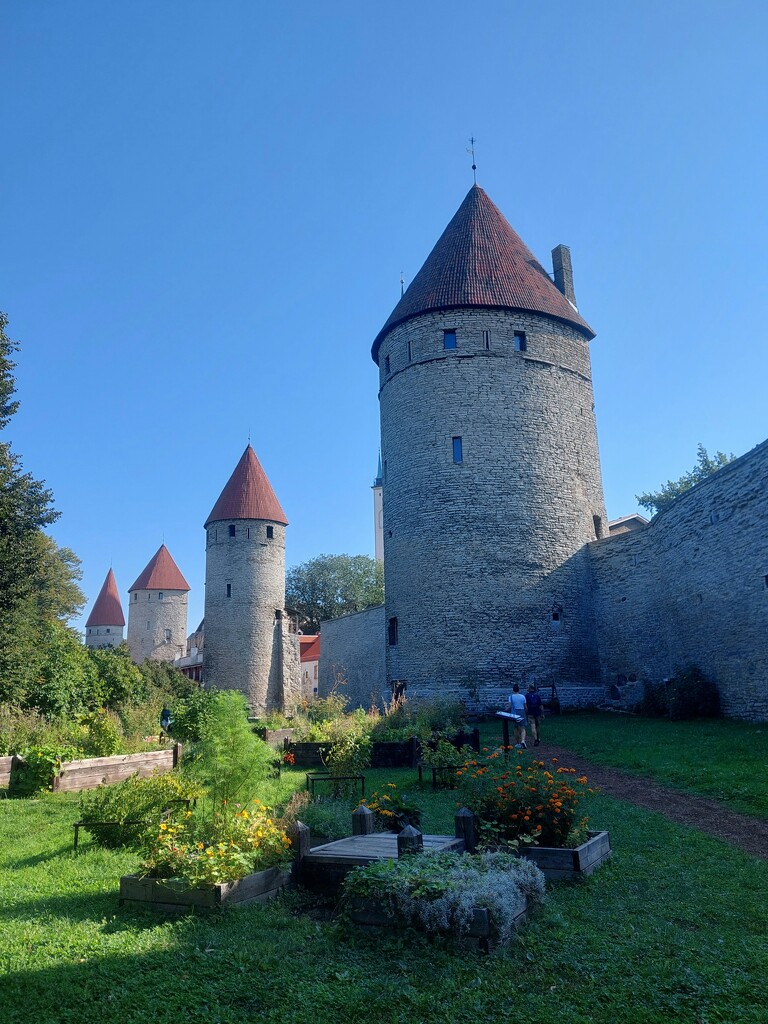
597,522
458,450
247,533
392,632
766,580
149,597
232,530
486,340
147,623
387,369
521,344
167,636
556,615
135,597
229,590
410,351
270,532
449,339
160,595
107,630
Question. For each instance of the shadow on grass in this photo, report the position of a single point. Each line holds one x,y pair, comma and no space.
99,908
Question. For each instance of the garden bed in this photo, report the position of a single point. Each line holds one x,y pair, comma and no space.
174,895
563,864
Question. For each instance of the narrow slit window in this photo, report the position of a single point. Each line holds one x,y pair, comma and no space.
521,344
167,636
386,365
231,529
392,632
410,351
160,595
270,532
449,339
229,590
458,450
486,340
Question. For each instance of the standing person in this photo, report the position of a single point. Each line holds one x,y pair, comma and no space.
165,723
518,705
535,710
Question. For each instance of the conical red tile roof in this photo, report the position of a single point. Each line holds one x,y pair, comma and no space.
248,494
107,610
162,573
479,260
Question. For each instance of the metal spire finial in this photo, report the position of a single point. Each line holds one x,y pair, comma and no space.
471,152
402,284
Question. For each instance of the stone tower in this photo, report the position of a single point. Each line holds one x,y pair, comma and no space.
104,627
157,611
248,643
491,470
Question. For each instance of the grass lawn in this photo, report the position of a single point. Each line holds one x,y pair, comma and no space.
673,928
716,758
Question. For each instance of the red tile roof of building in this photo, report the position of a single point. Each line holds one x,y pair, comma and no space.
162,573
480,260
248,494
310,647
107,610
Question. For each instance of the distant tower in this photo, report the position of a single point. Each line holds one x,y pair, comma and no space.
491,472
157,611
248,644
104,627
378,515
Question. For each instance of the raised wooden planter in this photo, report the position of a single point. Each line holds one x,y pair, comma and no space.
276,737
570,865
174,895
372,913
90,772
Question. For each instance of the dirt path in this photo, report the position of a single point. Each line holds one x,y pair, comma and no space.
710,816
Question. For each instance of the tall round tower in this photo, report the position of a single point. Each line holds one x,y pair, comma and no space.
491,471
245,589
157,610
104,627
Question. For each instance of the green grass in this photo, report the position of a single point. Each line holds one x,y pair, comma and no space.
673,928
717,758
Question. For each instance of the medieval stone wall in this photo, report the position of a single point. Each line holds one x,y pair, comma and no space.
692,587
352,650
157,628
487,573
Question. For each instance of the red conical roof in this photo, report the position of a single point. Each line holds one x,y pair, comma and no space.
479,260
248,494
107,610
162,573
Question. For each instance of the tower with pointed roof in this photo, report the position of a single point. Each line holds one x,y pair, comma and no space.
157,610
248,643
104,626
491,471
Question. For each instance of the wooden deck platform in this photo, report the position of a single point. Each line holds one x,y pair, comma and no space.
324,867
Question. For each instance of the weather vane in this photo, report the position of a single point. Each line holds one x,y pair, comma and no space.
471,152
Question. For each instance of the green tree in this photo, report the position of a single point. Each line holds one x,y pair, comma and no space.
705,466
329,586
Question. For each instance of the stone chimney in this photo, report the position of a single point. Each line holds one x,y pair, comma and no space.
561,265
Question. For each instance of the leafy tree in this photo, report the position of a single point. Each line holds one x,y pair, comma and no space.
705,466
329,586
121,681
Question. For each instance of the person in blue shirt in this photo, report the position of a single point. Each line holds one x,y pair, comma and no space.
518,707
535,710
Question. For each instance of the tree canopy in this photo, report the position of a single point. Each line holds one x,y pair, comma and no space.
329,586
706,465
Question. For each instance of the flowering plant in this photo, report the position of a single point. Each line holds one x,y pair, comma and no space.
525,802
289,757
203,851
392,809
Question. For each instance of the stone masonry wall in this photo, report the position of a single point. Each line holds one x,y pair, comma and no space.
157,629
244,588
352,648
487,570
692,588
103,636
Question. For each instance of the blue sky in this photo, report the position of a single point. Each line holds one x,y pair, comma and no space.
205,209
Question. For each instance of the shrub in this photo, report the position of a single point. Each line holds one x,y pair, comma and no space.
327,816
655,703
40,765
524,803
349,745
133,806
103,734
691,695
439,892
191,715
235,842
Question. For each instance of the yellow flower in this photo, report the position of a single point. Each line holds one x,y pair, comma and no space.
163,827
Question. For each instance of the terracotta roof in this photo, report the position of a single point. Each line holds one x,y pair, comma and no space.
479,260
162,573
248,494
310,647
107,610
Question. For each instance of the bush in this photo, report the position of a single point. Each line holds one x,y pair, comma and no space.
40,766
190,717
103,734
655,703
691,695
439,892
393,810
134,805
327,816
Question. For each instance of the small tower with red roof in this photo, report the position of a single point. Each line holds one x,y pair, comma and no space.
157,610
248,643
104,627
